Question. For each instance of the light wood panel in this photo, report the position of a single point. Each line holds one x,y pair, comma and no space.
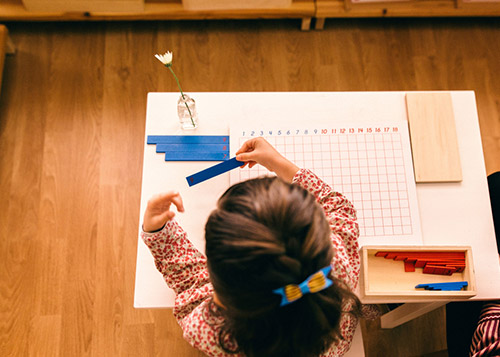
72,111
433,135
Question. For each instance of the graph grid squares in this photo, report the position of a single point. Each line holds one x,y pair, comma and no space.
370,165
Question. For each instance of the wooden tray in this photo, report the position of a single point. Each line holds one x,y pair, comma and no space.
385,280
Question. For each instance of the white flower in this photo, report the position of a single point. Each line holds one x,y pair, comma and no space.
166,59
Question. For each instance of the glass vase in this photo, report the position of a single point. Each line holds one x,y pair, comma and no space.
186,109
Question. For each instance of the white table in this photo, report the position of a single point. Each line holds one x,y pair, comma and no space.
451,213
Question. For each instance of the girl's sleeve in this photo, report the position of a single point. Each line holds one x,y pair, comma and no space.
341,216
183,267
486,337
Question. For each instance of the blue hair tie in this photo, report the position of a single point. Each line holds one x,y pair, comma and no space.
314,283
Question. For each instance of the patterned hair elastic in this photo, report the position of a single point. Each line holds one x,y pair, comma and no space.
314,283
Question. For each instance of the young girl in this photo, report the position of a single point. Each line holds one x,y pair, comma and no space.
281,264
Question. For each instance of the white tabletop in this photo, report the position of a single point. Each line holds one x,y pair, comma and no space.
450,213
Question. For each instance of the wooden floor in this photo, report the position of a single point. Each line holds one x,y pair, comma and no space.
72,112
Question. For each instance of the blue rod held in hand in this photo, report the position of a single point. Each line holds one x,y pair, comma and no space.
213,171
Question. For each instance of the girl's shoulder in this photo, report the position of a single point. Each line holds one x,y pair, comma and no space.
348,325
202,327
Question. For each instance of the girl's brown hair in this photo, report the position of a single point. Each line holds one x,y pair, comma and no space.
265,234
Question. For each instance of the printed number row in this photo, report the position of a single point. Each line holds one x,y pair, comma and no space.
368,130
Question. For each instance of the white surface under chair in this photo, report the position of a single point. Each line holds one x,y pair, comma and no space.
450,213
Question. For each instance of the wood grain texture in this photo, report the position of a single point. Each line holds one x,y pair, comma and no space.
4,35
72,116
13,10
433,136
221,5
420,337
422,8
119,6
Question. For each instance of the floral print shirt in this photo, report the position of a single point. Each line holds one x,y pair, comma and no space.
184,269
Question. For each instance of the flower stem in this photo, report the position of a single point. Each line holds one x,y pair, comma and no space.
182,93
176,79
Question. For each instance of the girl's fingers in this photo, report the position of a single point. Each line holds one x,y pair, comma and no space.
247,146
169,197
244,157
243,148
177,201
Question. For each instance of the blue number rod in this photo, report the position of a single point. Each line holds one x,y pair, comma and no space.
193,147
188,139
450,286
213,171
195,156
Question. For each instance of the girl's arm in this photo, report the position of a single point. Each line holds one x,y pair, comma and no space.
183,267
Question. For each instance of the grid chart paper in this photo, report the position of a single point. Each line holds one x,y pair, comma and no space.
370,164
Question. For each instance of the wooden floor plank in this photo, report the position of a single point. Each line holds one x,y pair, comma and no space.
21,144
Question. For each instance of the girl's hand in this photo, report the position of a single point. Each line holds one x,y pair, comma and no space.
259,151
158,210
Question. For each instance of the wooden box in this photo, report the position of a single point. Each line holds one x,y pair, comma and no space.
385,280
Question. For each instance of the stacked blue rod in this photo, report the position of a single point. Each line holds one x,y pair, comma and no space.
450,286
191,147
188,139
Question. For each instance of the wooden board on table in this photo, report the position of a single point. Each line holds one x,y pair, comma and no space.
433,137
